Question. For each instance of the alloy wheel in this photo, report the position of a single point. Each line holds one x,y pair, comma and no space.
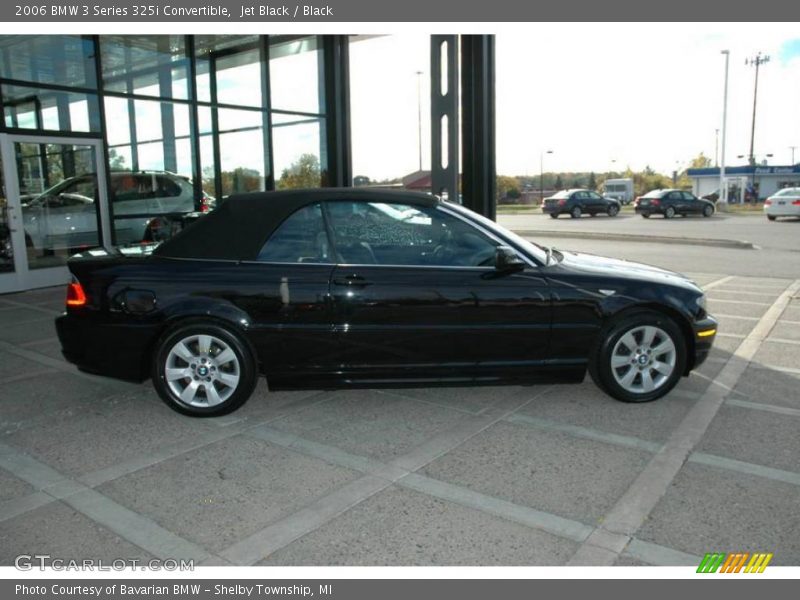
202,371
643,359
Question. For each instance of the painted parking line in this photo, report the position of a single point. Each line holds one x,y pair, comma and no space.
655,554
717,283
730,464
726,316
773,408
631,510
746,292
712,300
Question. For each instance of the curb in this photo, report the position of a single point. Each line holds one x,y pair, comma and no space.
652,239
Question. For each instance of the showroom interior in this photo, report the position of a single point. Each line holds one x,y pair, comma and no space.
111,140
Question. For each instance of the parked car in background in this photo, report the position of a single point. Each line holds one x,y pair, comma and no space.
784,203
363,287
576,203
144,204
672,202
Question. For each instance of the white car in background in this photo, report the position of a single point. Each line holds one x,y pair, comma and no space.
784,203
65,217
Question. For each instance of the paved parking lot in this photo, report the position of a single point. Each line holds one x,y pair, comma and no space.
537,475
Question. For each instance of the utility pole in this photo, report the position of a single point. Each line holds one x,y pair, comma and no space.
722,199
541,172
757,62
716,147
792,148
419,115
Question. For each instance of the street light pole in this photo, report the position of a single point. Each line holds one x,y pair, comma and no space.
541,173
792,148
722,199
757,61
716,147
419,116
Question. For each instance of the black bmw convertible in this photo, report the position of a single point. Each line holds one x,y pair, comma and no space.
354,287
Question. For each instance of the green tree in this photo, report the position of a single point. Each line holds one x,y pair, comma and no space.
559,184
592,185
701,161
303,173
507,187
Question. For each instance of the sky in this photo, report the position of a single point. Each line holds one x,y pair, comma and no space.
601,96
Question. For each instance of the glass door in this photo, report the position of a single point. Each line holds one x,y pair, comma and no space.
54,204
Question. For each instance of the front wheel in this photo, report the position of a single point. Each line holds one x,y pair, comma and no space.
575,213
708,211
639,357
613,210
553,215
203,369
771,217
645,216
669,212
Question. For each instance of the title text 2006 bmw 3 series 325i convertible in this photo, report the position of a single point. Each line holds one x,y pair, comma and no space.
347,287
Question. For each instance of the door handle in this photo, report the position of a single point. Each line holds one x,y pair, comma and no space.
351,281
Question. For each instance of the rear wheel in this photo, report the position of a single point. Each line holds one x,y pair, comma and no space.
669,212
771,217
645,216
203,369
708,211
553,215
639,357
613,210
575,213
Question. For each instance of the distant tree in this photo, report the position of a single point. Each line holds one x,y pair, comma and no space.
701,161
360,180
592,185
116,162
559,184
506,186
303,173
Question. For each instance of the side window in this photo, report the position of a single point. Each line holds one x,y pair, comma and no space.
688,196
167,187
299,239
132,187
375,233
674,195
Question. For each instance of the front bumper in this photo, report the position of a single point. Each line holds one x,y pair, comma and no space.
705,332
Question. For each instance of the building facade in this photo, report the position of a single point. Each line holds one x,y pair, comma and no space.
746,183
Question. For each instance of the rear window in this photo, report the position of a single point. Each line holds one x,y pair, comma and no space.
562,194
653,194
789,192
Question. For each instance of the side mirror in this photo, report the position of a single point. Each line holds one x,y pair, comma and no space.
506,260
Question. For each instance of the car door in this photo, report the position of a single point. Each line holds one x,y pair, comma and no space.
596,202
692,203
285,293
675,200
415,295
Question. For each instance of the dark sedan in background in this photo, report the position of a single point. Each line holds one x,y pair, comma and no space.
672,202
576,203
356,287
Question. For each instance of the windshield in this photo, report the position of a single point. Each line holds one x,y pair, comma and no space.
534,250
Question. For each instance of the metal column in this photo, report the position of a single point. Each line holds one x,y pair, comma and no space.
444,116
479,184
337,164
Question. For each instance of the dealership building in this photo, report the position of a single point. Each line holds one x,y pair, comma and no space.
747,182
108,140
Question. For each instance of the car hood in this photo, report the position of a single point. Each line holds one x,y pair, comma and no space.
591,264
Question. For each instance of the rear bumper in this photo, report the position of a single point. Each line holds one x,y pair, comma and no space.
550,209
647,210
705,332
105,346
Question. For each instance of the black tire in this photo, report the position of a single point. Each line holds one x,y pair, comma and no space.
645,216
613,210
247,371
553,215
600,360
576,212
669,212
771,217
708,211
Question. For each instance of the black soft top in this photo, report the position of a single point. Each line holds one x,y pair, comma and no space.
239,227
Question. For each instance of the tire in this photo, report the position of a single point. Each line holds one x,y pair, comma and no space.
575,213
669,212
553,215
593,214
226,362
771,217
708,211
623,341
645,216
613,210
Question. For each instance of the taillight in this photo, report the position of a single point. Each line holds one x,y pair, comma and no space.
796,203
75,295
205,205
562,202
767,202
655,202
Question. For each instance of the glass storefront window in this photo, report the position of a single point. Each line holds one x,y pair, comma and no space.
37,108
231,66
49,59
241,151
296,74
146,65
297,141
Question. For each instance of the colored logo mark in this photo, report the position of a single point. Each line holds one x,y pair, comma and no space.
734,562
